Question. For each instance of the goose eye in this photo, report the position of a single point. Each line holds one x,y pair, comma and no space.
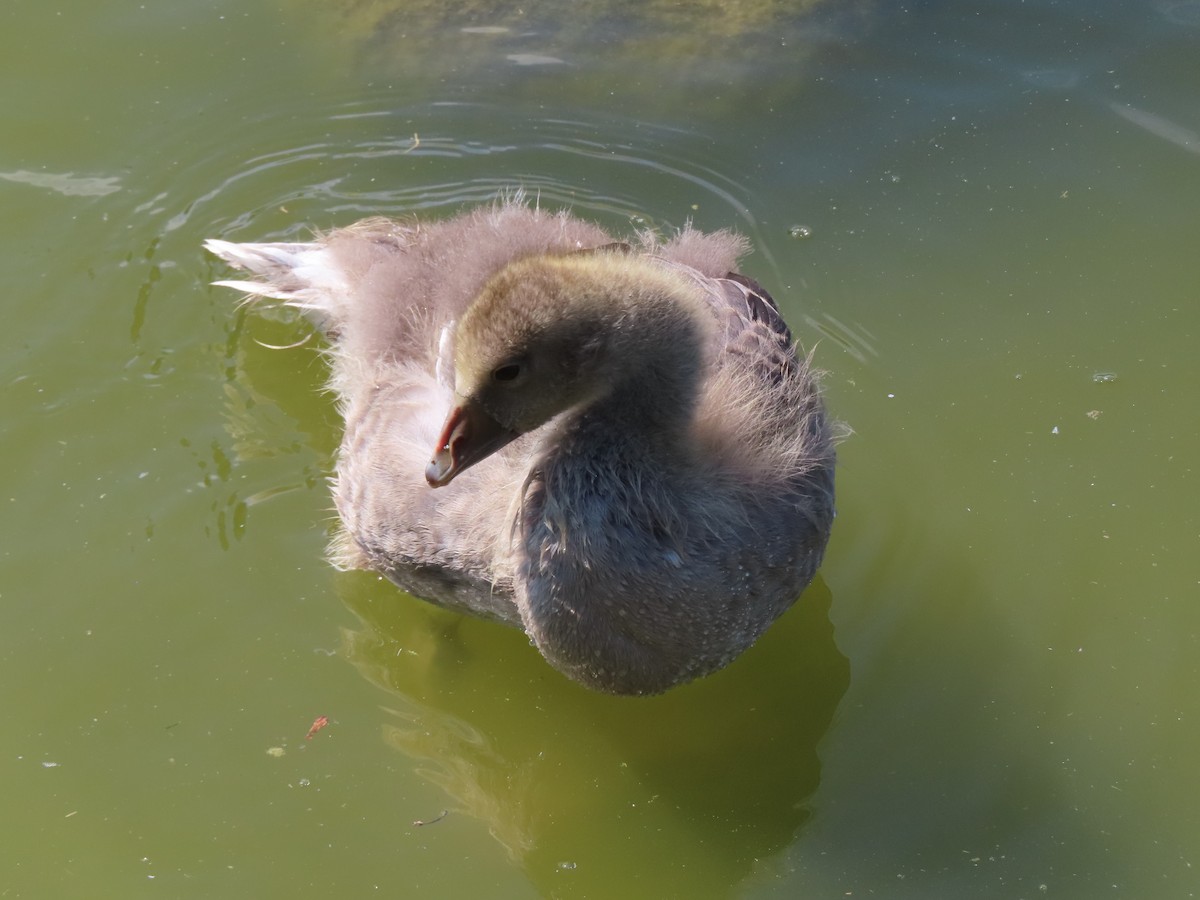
507,372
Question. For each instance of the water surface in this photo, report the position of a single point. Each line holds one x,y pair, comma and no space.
983,216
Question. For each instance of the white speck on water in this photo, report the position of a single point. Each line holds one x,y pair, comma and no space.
534,59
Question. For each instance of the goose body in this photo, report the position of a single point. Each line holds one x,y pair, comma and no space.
615,448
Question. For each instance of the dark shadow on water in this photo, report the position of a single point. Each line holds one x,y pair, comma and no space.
675,795
702,59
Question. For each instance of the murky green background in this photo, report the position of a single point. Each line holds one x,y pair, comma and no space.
985,214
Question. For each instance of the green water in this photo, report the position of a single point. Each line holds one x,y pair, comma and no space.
991,690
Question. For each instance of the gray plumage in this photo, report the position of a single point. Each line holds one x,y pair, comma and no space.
633,463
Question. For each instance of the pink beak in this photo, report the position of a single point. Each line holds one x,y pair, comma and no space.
468,436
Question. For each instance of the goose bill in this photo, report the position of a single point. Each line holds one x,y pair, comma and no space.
468,436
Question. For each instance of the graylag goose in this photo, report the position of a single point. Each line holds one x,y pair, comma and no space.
614,447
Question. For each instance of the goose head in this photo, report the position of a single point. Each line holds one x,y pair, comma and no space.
546,335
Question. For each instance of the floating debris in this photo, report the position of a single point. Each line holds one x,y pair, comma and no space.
318,723
800,232
1104,377
420,822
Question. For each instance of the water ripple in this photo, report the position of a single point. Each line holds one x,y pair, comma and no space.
379,161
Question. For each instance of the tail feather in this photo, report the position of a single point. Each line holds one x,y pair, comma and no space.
305,276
